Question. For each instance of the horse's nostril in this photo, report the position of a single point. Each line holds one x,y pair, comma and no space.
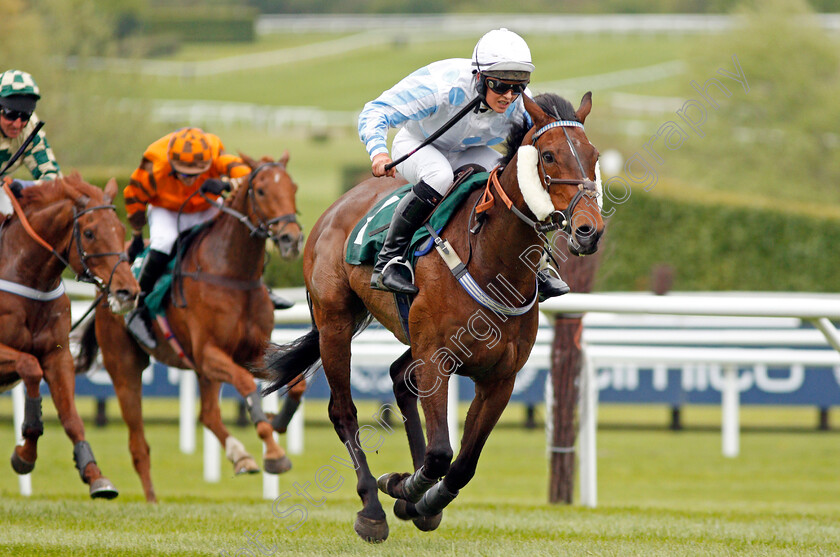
124,295
584,232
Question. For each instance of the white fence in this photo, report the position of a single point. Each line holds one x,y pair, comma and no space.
671,347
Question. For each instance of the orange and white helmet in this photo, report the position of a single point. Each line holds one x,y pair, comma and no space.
189,151
504,54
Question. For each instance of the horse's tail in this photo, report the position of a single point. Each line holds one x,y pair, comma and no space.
88,346
285,365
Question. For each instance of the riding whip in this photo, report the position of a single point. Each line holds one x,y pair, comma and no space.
23,147
471,105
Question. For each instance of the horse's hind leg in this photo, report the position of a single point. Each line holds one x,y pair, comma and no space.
489,402
125,363
336,334
60,376
29,370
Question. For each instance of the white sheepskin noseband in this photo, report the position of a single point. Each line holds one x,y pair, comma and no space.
536,197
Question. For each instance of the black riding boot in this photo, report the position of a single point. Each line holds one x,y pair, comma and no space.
278,301
550,284
138,321
411,212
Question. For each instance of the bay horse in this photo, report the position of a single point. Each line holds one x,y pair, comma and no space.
219,314
65,223
546,179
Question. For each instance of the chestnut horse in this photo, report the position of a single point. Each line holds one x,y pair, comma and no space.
548,177
218,311
67,222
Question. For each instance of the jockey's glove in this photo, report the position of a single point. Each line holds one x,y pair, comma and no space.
214,186
135,247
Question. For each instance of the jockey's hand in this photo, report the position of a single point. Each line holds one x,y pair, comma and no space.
214,186
17,188
377,165
135,247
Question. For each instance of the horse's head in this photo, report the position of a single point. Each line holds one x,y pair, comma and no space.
271,203
556,170
95,251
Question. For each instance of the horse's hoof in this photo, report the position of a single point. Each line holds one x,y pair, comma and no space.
401,510
102,488
19,465
428,523
246,465
387,483
370,530
277,465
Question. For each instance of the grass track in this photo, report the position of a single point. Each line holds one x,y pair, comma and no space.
660,493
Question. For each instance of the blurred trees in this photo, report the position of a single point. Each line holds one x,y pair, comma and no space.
55,41
783,132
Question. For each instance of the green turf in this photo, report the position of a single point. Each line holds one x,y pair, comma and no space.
660,492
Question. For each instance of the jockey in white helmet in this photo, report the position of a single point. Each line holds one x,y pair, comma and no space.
492,81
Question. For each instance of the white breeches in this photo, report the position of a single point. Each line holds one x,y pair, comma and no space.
434,167
165,225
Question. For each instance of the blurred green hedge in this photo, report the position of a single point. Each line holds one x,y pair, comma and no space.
718,247
202,24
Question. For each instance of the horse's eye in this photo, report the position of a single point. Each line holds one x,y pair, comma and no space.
88,234
260,191
548,157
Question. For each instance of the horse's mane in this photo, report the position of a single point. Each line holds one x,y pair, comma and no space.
68,187
553,105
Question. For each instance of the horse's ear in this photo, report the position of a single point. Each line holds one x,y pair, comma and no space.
110,191
284,160
248,160
584,108
539,117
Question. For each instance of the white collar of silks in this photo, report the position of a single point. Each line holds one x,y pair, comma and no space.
535,195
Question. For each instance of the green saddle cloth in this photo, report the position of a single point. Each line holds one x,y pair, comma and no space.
368,235
156,299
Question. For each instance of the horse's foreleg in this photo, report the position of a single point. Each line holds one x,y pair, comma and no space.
30,372
217,363
211,417
371,524
408,486
487,406
280,421
60,376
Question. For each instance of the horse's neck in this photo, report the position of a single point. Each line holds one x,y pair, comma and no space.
233,252
505,243
26,261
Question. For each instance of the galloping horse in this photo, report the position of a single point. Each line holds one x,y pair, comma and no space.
219,314
67,222
546,179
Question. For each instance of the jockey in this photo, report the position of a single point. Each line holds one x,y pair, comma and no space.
18,96
420,104
173,170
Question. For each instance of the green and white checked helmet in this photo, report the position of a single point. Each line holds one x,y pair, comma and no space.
16,82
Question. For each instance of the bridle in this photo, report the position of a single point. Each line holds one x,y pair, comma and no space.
86,275
586,187
263,229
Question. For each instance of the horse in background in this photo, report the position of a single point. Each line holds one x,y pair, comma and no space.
59,224
548,182
218,313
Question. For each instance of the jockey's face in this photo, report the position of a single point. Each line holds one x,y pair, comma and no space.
501,93
12,128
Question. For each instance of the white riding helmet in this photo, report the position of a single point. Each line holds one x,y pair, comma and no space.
502,50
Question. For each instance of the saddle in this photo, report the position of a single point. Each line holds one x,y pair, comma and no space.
368,235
